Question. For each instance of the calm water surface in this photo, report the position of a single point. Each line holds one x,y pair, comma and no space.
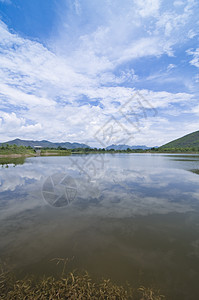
131,217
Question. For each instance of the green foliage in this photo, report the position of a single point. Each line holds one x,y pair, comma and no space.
6,161
178,150
189,141
14,149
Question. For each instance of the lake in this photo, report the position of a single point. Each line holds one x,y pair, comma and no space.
128,217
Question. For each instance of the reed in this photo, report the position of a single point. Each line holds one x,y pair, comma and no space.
73,285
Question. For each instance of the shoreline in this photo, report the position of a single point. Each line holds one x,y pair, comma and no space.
15,155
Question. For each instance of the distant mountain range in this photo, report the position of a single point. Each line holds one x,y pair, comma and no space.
67,145
125,147
44,144
189,140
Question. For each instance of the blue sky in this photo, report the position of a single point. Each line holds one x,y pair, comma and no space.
99,71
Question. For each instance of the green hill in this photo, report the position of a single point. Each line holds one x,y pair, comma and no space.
188,141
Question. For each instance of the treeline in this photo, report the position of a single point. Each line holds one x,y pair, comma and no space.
176,150
152,150
103,150
14,149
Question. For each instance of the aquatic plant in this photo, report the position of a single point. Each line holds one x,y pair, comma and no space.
73,285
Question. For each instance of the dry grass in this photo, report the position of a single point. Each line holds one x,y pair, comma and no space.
71,286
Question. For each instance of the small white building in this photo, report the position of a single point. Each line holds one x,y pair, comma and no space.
38,150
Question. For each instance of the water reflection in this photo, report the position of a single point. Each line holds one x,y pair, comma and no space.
11,161
136,220
114,191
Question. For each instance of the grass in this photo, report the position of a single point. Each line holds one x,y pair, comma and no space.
14,150
73,285
55,152
5,161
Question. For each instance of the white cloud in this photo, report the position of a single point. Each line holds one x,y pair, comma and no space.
77,7
170,67
70,93
191,34
197,78
148,8
195,54
178,3
140,29
145,47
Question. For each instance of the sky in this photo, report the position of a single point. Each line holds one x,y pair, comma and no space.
99,72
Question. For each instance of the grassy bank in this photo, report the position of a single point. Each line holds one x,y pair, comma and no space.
71,286
13,151
16,151
5,161
57,152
